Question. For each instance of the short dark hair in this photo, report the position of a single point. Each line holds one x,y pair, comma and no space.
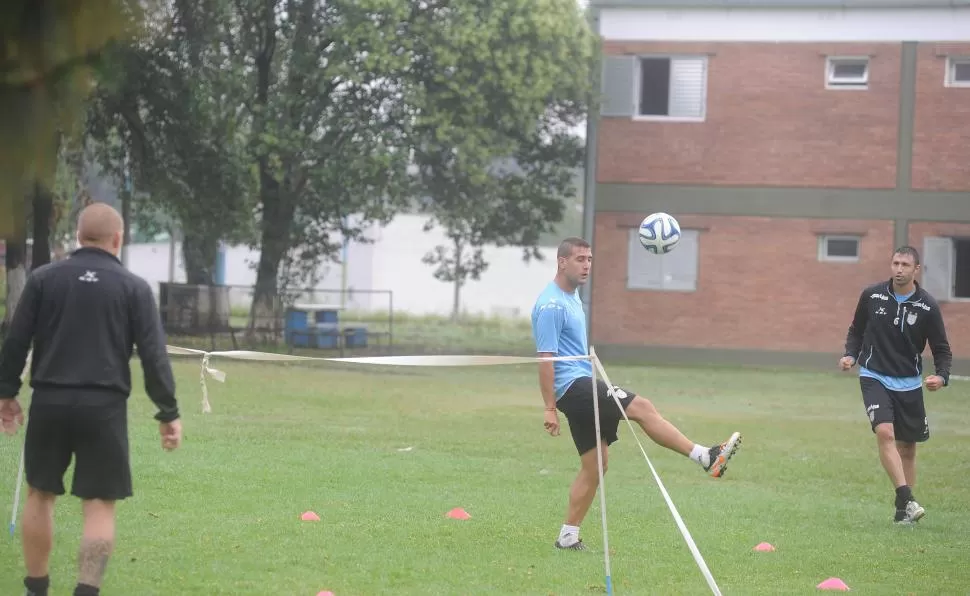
567,246
908,250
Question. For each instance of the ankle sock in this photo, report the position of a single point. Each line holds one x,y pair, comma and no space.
37,586
86,590
568,535
701,455
904,494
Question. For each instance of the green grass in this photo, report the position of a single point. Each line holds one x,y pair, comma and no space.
221,515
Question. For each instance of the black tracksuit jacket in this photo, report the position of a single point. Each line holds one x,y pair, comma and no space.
84,315
889,337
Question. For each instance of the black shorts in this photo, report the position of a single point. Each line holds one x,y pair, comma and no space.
903,409
95,435
577,405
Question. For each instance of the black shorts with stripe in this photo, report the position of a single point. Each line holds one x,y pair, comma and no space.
577,405
905,410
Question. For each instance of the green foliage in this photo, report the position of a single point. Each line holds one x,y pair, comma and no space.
45,78
327,128
500,91
169,115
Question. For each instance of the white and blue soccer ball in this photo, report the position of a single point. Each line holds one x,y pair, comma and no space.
659,233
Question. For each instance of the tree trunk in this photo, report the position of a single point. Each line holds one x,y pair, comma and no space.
16,276
43,204
199,254
278,211
459,280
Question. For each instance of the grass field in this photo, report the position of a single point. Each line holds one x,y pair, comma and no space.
221,516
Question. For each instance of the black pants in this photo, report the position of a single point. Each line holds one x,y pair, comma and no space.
95,435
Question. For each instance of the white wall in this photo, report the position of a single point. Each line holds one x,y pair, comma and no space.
392,262
786,24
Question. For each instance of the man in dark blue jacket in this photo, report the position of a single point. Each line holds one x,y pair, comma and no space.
82,316
893,322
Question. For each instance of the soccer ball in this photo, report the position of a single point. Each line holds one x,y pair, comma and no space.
659,233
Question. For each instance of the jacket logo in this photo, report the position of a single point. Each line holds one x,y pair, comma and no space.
879,296
911,318
925,307
89,277
881,310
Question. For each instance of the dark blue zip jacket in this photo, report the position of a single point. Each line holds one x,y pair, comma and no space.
83,316
889,337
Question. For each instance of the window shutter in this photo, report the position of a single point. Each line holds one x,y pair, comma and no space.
687,87
643,269
680,264
617,86
937,277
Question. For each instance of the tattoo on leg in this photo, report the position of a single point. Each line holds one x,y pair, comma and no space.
93,560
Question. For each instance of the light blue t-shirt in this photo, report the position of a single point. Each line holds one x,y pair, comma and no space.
559,327
894,383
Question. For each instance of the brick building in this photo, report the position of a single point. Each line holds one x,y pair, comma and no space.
797,142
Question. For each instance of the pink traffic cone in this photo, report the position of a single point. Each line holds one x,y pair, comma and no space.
764,547
833,583
458,513
310,516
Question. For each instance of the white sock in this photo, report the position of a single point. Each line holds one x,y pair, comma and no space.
568,535
701,455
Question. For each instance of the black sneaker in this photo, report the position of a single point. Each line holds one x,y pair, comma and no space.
578,545
721,454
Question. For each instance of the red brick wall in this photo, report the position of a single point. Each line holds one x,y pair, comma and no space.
770,121
760,285
956,315
941,126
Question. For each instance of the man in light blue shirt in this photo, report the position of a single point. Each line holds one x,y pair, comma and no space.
559,330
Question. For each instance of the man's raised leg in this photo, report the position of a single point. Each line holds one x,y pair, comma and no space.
714,459
97,544
581,495
38,539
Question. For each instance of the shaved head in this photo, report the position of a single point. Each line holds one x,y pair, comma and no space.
101,226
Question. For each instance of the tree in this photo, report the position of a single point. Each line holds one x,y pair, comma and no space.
169,117
46,55
501,89
326,129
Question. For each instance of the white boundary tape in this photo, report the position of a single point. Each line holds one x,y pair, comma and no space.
20,468
431,361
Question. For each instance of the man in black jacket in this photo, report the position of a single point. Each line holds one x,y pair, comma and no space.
893,322
83,315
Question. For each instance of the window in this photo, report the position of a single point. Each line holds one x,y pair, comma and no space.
847,73
957,72
838,248
672,88
673,271
961,267
946,268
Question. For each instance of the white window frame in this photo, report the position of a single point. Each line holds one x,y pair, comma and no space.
638,89
823,248
639,254
949,79
846,84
